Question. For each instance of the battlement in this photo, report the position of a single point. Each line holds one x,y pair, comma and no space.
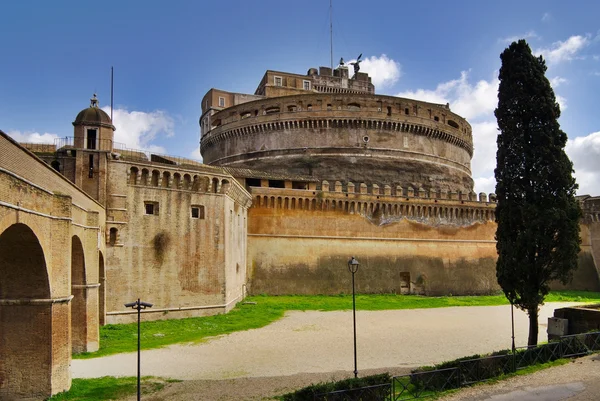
188,180
381,204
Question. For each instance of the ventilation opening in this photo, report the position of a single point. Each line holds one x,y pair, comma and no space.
198,212
276,184
151,207
252,182
299,185
452,124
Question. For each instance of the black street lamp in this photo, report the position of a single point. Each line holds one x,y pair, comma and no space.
138,305
353,268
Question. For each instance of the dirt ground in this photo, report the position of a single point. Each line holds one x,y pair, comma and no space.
308,347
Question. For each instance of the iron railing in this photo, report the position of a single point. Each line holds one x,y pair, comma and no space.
428,383
371,393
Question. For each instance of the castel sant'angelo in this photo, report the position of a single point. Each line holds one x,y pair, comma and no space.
297,178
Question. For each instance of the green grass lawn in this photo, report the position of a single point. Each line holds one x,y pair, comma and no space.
119,338
109,388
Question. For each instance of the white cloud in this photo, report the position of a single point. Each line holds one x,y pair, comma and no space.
557,81
32,137
474,101
584,152
526,35
138,129
195,154
466,99
484,144
485,184
564,51
547,17
596,57
562,102
384,72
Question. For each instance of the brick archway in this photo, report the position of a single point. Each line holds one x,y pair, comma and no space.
78,288
26,314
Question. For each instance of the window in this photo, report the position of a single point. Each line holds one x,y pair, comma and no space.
221,101
151,207
112,239
91,167
278,81
198,212
91,139
406,111
436,118
306,85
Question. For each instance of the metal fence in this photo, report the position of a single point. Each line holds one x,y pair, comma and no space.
428,383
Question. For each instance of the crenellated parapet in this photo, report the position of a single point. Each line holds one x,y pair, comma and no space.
187,180
382,205
590,207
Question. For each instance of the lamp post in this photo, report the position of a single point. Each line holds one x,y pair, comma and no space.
353,268
512,318
138,305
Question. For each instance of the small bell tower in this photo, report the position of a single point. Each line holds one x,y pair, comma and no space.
92,146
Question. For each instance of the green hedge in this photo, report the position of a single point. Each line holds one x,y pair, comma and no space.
309,393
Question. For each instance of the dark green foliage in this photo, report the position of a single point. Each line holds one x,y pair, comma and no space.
309,393
537,214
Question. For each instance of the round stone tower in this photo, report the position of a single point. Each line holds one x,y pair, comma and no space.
348,137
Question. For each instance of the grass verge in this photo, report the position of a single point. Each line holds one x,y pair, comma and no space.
109,388
123,337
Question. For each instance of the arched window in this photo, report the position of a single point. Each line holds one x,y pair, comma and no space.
144,180
165,179
187,180
155,178
112,238
133,172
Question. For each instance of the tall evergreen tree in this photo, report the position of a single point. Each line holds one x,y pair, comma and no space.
537,213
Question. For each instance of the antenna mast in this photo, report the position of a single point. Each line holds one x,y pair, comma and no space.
331,33
111,92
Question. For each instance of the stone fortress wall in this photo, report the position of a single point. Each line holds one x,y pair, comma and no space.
349,137
188,255
299,241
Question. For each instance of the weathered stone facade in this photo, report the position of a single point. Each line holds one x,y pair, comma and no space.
303,174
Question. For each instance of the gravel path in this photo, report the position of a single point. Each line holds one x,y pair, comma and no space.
321,342
308,347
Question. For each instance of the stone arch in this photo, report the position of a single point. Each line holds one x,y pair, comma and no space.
26,349
177,181
215,185
133,173
225,184
145,173
102,290
155,178
187,180
78,304
166,176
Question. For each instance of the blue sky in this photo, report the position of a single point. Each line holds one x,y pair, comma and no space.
55,55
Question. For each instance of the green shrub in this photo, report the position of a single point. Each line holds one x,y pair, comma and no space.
309,393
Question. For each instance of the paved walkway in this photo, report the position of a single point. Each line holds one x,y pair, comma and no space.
578,380
321,342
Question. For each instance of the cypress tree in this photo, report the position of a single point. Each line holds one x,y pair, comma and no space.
537,213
